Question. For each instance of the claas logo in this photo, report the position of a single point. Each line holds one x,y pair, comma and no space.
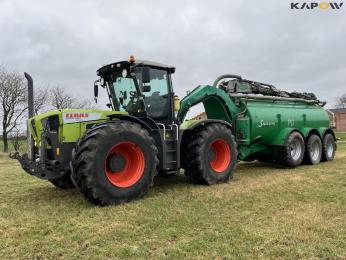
77,115
315,5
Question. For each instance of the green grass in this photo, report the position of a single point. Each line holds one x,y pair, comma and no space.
23,146
265,212
341,135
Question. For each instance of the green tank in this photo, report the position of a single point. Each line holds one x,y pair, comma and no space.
268,124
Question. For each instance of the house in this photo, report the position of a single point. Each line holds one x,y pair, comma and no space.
339,118
200,116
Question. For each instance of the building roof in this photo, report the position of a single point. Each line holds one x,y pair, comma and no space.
337,110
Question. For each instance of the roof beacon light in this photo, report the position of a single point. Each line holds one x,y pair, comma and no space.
132,58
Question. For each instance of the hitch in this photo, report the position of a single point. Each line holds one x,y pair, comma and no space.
48,170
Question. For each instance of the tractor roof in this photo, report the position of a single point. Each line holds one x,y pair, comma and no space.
106,68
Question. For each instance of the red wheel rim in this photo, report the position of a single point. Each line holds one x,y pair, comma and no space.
222,155
134,163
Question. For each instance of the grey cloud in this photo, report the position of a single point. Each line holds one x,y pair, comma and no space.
64,42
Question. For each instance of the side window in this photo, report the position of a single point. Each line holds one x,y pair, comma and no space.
156,100
158,83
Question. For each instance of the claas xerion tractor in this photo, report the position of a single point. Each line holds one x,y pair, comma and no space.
112,156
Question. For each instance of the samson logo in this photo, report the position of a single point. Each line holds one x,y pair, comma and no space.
263,123
315,5
76,115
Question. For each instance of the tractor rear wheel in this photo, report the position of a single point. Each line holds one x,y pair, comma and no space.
63,182
209,155
292,153
313,151
328,148
114,162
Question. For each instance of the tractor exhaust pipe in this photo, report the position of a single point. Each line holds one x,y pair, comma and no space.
30,94
30,113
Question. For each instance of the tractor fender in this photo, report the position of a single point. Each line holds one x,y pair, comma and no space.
145,124
193,124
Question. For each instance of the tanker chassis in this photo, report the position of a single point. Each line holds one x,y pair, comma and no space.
112,156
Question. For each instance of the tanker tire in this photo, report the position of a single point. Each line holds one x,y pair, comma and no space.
63,182
328,148
196,150
292,153
313,151
92,151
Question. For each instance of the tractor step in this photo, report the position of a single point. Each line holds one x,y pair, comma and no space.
171,148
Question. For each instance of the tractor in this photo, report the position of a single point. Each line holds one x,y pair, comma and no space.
112,156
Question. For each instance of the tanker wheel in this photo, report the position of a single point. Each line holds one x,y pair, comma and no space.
313,151
328,148
209,154
63,182
114,162
292,153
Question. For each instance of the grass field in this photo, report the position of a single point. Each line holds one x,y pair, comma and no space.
265,212
341,136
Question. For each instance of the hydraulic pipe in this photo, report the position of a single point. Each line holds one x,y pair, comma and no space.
251,96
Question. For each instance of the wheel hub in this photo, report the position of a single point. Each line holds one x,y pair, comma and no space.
117,162
221,155
124,164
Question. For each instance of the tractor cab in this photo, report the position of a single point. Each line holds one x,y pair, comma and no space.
140,88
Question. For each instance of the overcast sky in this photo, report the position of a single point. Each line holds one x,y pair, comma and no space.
64,42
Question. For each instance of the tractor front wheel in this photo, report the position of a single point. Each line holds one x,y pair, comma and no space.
114,162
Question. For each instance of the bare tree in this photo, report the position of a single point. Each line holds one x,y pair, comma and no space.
60,99
341,101
13,102
16,137
41,97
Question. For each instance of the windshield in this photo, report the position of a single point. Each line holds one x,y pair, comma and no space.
125,95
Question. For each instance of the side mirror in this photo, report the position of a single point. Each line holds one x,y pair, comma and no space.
96,90
146,88
146,75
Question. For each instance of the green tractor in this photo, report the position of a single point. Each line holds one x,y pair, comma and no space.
112,156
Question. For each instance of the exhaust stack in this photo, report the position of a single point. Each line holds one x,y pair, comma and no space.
30,113
30,94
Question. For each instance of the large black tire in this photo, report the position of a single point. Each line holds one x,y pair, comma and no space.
209,154
63,182
292,153
328,148
114,162
313,152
